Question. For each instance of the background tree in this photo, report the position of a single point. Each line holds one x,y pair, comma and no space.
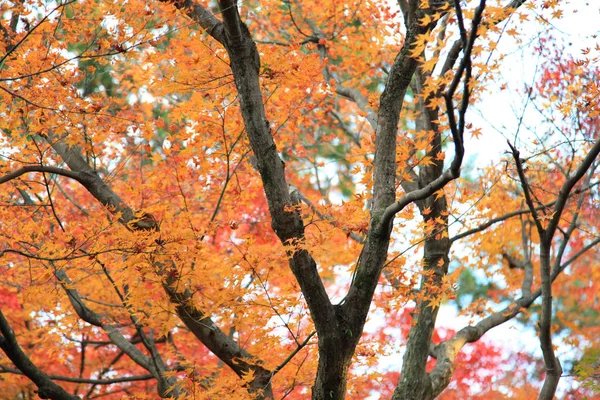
208,200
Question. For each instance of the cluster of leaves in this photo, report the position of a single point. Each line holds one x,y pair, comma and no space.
136,237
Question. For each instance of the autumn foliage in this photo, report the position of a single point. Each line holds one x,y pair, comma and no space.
268,200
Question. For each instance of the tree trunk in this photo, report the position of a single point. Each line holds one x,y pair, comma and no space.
415,382
335,358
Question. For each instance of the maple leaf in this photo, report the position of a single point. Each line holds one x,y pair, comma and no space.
476,133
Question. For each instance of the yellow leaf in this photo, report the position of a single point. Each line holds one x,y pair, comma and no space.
425,20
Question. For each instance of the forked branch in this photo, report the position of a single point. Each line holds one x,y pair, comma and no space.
463,72
546,233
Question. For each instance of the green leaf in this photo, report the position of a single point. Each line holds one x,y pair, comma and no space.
69,12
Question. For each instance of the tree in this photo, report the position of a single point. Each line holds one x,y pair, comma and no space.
208,200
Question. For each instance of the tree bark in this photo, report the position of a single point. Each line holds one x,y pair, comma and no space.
415,382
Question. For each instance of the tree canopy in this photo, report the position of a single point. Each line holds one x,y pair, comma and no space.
276,199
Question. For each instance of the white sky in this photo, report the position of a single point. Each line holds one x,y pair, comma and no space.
501,110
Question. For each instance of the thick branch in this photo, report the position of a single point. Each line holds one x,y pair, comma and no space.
46,388
231,20
447,351
384,175
227,349
90,179
457,131
220,344
112,381
202,16
287,223
40,168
